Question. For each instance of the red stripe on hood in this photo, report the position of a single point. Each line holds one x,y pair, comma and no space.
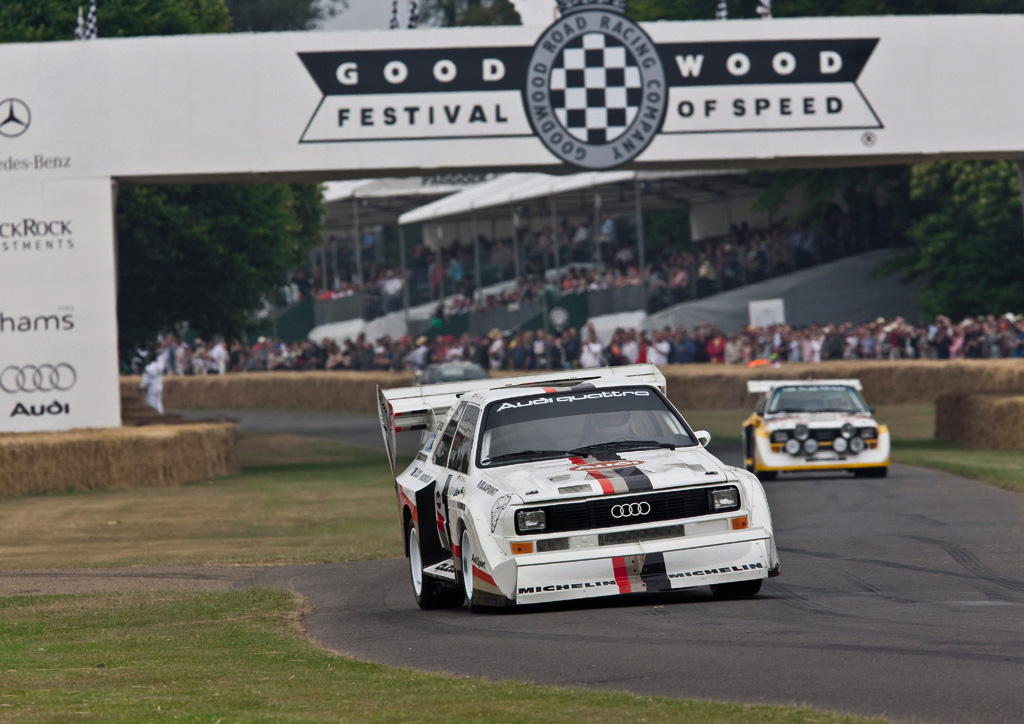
606,485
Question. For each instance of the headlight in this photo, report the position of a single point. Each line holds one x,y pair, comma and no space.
793,447
780,436
856,445
801,432
840,444
725,499
530,521
869,433
848,431
810,446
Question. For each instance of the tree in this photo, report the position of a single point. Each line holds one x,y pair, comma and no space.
277,15
451,13
204,254
968,238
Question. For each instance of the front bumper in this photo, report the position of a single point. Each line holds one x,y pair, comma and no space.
661,565
768,459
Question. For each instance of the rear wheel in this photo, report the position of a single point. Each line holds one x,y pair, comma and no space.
740,589
430,593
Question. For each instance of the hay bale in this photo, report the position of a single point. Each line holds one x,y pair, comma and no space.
51,462
983,421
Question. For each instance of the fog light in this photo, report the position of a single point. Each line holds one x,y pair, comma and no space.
856,444
848,431
810,446
531,520
725,499
801,432
840,444
793,447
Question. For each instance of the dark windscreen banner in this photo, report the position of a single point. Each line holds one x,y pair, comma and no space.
570,404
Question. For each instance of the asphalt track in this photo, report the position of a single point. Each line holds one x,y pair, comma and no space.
901,598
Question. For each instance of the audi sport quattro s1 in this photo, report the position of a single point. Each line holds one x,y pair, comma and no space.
568,485
813,425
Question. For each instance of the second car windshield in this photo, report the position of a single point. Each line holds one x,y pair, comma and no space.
816,398
557,424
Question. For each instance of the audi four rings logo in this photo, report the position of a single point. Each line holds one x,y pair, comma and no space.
631,510
38,378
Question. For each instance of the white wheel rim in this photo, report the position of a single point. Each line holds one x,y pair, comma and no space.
415,563
467,566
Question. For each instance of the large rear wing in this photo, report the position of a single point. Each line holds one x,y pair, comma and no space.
758,387
406,409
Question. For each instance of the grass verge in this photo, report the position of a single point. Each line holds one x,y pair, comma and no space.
241,657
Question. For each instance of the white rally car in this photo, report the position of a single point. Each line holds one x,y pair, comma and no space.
813,425
569,485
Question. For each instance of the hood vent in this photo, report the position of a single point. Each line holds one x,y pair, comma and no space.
570,489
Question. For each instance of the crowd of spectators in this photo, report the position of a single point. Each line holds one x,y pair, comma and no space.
677,272
984,337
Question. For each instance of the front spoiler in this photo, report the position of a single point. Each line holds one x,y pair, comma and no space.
666,565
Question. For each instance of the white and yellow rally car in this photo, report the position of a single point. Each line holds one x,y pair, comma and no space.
568,485
813,425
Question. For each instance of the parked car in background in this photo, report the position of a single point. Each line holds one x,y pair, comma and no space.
813,426
568,485
450,372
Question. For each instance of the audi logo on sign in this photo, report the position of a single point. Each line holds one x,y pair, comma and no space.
631,510
60,377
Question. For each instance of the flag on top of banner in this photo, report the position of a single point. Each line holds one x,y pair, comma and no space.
414,14
722,12
764,8
80,27
394,16
90,30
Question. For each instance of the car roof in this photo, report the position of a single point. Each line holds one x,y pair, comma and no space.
483,397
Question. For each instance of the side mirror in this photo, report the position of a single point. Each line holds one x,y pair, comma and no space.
703,437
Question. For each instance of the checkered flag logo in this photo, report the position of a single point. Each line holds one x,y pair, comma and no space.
90,30
394,16
414,14
596,88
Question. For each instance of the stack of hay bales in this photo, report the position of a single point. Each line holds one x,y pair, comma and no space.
127,457
984,421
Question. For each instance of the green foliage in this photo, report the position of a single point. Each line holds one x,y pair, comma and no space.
206,255
277,15
38,20
705,9
452,13
968,237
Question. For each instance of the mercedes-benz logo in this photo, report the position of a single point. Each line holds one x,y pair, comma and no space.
631,510
15,117
38,378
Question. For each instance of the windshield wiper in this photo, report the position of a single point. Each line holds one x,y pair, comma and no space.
623,445
527,455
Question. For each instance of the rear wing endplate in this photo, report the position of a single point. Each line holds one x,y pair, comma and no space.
406,409
758,387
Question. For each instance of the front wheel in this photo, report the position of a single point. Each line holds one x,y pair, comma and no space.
740,589
879,472
466,569
430,593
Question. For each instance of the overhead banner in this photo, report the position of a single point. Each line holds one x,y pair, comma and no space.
58,332
593,90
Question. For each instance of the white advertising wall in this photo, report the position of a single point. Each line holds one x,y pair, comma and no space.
592,91
58,331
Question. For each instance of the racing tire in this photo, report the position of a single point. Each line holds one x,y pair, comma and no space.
879,472
748,451
430,593
466,572
740,589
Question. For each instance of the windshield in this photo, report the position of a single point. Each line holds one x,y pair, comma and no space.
816,398
566,423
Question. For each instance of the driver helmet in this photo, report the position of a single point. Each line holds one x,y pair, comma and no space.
613,423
